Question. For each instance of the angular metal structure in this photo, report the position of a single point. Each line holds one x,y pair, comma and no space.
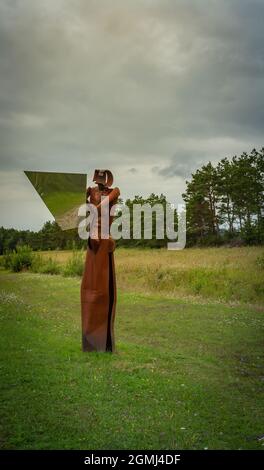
62,193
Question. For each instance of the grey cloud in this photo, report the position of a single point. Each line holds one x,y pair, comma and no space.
165,84
181,165
133,170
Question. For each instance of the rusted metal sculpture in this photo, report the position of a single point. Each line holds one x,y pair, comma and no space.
98,287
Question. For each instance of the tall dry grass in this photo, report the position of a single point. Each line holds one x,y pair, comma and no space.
222,274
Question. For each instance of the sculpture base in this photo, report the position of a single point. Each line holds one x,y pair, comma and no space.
98,299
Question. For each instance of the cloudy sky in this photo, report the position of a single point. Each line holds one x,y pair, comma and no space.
150,89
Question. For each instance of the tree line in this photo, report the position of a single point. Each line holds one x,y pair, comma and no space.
50,237
224,204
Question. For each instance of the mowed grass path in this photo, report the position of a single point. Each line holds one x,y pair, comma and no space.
186,375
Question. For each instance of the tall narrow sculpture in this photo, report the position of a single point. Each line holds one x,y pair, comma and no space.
98,287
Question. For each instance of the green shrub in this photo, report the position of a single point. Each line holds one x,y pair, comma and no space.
75,264
45,266
6,259
18,260
50,267
36,263
260,261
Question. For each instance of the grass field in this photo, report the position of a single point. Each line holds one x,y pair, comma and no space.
218,274
188,374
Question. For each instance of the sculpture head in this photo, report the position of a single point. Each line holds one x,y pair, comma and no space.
103,178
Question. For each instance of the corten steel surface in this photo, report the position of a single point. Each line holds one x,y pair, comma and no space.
98,287
63,194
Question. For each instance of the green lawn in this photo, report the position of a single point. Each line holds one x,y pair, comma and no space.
187,375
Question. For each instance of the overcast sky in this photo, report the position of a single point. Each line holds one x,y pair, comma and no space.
148,89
